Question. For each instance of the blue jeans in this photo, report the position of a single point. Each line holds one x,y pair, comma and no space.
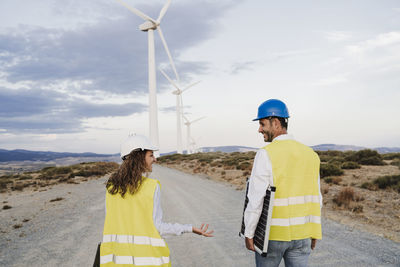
295,253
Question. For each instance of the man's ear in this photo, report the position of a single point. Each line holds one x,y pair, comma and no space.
275,123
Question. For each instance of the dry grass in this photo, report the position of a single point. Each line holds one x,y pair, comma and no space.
351,196
234,167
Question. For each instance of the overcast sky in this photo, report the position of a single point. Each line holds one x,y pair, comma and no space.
73,74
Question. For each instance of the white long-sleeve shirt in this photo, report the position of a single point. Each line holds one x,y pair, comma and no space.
261,177
163,227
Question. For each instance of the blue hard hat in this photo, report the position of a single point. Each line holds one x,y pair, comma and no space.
272,108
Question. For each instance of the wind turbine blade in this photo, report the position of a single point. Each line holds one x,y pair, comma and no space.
169,79
163,10
197,119
168,53
186,119
137,12
187,87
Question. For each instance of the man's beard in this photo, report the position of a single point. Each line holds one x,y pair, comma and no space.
268,136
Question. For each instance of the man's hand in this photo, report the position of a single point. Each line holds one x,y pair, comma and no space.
313,243
249,244
202,231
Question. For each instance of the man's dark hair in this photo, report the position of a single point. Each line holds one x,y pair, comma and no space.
283,121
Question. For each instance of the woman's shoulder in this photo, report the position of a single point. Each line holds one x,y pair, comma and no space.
151,181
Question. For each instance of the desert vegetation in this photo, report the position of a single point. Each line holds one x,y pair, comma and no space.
358,187
232,167
54,175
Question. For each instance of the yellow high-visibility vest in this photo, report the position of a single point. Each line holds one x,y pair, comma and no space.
129,235
296,213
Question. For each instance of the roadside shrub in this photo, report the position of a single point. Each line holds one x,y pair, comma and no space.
330,170
392,181
230,161
350,165
325,190
374,160
205,160
369,186
172,157
324,158
25,177
336,180
214,163
357,208
366,157
328,180
330,153
395,162
345,196
336,159
244,166
391,156
17,187
4,182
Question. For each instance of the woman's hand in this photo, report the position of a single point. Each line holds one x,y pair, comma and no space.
203,230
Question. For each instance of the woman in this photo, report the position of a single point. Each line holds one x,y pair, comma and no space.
133,222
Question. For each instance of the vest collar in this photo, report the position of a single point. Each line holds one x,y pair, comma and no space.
284,137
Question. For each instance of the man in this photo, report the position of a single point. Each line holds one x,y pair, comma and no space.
293,169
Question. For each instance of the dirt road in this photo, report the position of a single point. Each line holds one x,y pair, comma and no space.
66,232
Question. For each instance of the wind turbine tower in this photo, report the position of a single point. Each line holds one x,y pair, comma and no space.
188,123
179,110
149,26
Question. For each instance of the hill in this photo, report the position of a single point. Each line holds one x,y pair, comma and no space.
22,155
321,147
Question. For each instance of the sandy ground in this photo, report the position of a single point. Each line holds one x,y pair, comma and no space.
37,231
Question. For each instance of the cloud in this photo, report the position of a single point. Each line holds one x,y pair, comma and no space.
337,35
44,69
168,109
30,110
381,41
242,66
111,53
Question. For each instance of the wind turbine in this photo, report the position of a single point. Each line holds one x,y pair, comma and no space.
193,145
179,104
149,26
188,123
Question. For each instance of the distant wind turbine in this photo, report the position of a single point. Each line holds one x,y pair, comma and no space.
150,25
179,105
188,123
193,145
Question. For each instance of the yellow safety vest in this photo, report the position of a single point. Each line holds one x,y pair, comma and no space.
296,213
129,235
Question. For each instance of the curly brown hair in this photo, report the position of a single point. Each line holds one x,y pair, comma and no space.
129,175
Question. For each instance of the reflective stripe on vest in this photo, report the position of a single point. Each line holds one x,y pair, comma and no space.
138,240
137,261
296,221
296,200
296,213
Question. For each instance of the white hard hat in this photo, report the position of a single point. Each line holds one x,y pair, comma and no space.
136,141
